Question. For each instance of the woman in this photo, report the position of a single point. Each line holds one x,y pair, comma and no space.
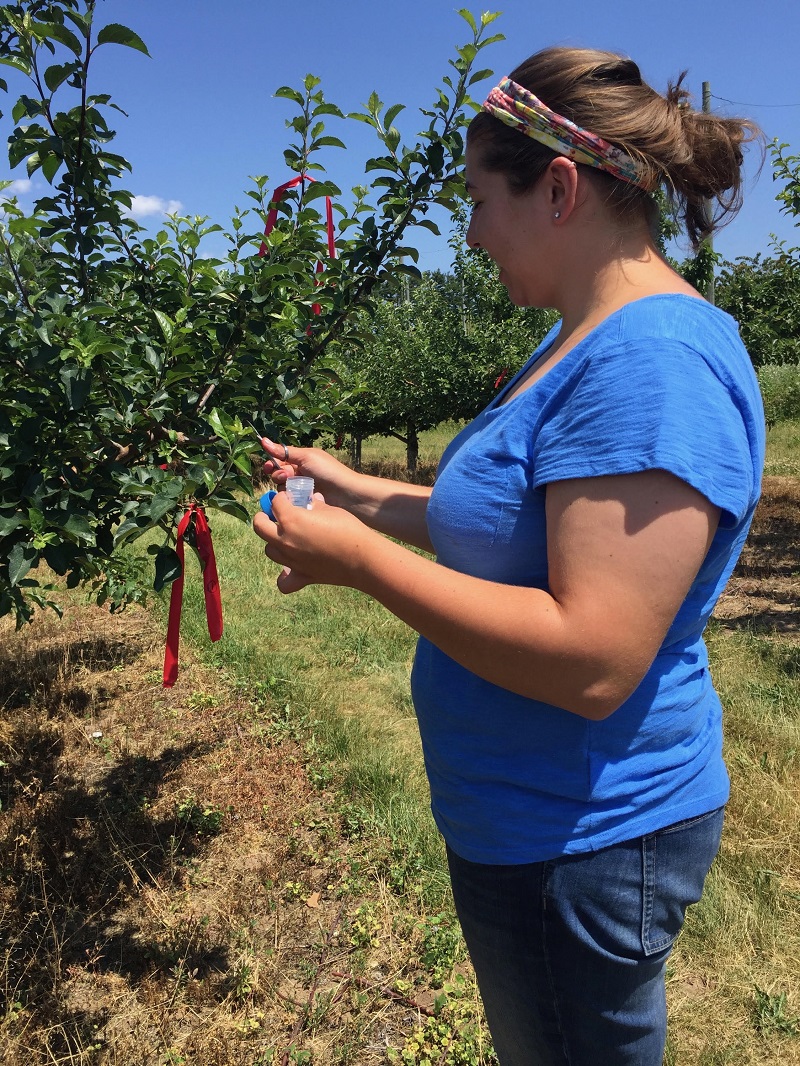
584,526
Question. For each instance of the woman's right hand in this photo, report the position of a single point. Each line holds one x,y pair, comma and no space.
331,477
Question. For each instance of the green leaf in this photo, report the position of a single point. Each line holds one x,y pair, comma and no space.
114,33
428,223
288,93
168,567
242,462
20,559
221,424
77,526
480,75
56,31
16,63
26,105
83,22
50,165
167,326
392,138
131,530
319,189
161,505
36,519
407,268
392,113
362,118
77,382
229,506
331,142
327,109
469,18
58,74
8,523
41,329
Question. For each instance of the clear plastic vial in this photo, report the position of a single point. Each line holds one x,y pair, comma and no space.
300,491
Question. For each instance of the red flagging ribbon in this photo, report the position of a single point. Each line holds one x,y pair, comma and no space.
205,549
272,218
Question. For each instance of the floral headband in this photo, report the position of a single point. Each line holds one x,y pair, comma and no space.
520,109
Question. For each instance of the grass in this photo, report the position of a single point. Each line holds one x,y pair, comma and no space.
244,868
783,456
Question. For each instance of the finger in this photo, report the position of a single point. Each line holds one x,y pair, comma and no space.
282,506
264,527
292,581
279,453
275,458
278,473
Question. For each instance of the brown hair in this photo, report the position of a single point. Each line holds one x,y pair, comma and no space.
696,157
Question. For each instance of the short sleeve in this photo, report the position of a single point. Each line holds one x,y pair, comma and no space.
635,406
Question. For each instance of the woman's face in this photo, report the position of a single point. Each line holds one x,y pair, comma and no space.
512,229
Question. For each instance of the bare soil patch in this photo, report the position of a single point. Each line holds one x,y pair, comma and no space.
764,591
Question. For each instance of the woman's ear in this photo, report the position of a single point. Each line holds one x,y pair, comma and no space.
560,185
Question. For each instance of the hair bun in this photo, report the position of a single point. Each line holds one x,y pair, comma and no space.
621,71
677,96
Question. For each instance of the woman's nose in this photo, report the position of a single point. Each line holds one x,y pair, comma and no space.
471,240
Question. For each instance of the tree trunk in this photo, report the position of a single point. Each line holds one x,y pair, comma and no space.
355,450
412,448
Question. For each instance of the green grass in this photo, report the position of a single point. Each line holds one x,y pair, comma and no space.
390,449
783,450
344,660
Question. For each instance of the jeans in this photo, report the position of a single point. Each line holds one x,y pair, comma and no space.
570,954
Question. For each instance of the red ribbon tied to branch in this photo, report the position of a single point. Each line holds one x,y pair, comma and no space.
205,549
272,218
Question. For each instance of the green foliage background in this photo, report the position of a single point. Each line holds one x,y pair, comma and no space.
132,369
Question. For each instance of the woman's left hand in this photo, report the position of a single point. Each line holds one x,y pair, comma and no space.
320,545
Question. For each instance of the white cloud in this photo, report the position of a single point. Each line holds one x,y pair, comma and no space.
16,188
144,206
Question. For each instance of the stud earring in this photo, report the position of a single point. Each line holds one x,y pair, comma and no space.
557,214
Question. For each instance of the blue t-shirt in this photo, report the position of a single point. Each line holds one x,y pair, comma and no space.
664,383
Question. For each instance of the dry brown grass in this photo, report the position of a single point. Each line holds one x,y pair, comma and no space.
174,889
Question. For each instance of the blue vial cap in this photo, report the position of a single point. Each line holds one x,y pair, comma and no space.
266,503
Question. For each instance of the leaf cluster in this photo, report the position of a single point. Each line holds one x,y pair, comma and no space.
133,367
763,292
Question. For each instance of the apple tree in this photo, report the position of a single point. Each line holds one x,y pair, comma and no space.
132,367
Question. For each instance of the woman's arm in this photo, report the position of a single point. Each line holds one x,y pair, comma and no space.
391,507
622,555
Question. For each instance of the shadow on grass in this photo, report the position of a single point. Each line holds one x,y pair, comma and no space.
76,850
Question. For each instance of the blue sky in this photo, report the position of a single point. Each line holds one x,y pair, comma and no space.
203,115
